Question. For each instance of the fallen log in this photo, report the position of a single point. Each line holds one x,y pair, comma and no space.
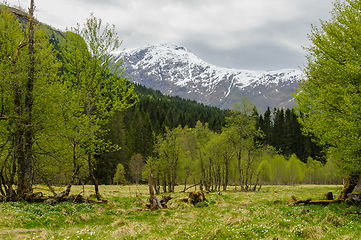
191,187
294,201
51,200
349,213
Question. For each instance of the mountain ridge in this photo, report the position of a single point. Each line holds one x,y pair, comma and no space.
176,71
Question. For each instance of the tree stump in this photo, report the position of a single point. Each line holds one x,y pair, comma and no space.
153,200
196,197
329,196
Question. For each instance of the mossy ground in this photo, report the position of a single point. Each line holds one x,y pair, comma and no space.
231,215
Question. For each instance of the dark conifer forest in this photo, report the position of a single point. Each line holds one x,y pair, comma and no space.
135,130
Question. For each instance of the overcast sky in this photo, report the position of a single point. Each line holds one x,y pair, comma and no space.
247,34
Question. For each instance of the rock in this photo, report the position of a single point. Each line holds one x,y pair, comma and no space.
354,197
51,201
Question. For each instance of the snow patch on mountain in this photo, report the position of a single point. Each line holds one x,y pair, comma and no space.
175,70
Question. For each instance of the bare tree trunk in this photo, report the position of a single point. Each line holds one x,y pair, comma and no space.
185,178
154,202
157,185
73,177
350,184
185,189
18,139
219,178
151,185
76,169
3,183
169,182
247,173
174,173
255,185
91,174
164,185
210,179
46,181
203,171
25,177
240,170
226,174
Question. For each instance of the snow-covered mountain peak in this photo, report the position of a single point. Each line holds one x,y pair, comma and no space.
175,70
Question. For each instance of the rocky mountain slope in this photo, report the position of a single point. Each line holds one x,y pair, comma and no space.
175,70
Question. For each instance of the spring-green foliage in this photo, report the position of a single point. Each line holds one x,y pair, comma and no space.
68,112
88,118
330,93
198,155
41,120
265,171
119,176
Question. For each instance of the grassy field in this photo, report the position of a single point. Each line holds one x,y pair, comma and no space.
230,215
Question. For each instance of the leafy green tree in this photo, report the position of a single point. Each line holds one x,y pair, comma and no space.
279,166
295,170
95,76
169,153
313,173
202,137
242,128
265,171
119,176
220,155
30,88
191,157
332,172
330,93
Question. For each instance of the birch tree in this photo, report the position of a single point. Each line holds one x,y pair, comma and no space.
96,77
330,93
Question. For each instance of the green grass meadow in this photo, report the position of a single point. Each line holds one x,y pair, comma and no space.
266,214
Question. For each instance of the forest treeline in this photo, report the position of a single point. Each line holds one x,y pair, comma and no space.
270,146
69,116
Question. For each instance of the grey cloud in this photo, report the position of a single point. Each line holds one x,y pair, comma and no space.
253,34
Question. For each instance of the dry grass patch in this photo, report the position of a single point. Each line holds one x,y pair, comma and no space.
237,220
84,217
314,232
333,219
128,230
119,222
